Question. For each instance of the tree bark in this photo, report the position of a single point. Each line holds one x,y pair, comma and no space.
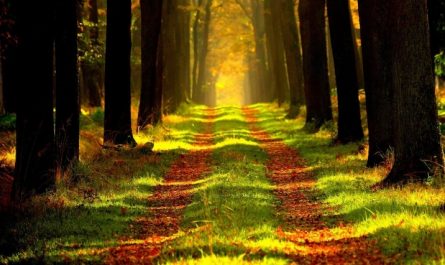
349,121
417,150
374,16
316,80
276,50
199,94
258,93
67,85
2,103
151,15
436,16
117,127
293,57
35,164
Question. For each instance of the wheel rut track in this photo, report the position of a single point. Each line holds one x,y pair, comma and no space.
315,243
167,203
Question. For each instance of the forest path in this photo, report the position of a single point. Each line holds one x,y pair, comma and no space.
304,225
167,203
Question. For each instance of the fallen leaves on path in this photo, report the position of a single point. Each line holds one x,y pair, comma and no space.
315,242
166,205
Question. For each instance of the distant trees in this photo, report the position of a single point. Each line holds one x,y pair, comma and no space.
117,124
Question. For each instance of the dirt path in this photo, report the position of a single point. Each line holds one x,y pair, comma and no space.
315,242
167,203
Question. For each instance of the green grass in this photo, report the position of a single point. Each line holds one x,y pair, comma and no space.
232,218
405,222
96,206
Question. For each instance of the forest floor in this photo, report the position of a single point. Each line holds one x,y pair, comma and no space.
227,185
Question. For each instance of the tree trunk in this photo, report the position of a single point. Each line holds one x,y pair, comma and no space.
436,16
202,64
374,18
151,16
259,89
275,44
417,150
196,45
316,80
117,127
2,104
349,121
10,78
34,172
67,84
293,57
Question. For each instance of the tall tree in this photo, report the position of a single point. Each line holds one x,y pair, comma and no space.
417,150
260,62
436,16
149,108
275,46
67,85
374,16
349,121
10,70
117,127
293,56
196,45
316,80
200,89
35,130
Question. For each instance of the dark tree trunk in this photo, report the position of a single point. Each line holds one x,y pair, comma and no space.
10,70
293,57
182,29
349,122
67,84
169,56
35,162
117,127
196,45
201,85
259,92
2,102
417,151
374,18
316,80
436,15
151,15
276,50
10,78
